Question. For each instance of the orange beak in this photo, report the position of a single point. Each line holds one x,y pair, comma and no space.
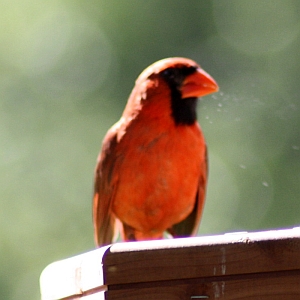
198,84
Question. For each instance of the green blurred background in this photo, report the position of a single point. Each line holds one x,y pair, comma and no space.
66,70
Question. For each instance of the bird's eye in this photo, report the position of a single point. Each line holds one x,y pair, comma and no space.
169,73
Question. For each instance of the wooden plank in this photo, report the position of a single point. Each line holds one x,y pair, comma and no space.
259,265
80,275
221,255
266,286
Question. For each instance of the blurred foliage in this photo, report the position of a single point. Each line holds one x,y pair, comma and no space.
66,70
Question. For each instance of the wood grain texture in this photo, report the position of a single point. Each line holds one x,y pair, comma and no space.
267,286
245,253
258,265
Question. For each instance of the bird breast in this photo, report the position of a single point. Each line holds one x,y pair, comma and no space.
159,176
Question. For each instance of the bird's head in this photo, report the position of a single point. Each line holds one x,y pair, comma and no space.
179,79
183,74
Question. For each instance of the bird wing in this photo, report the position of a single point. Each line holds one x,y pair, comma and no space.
189,226
104,188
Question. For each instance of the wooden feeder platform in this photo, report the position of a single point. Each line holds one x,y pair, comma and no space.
258,265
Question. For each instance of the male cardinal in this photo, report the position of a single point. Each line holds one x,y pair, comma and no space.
151,173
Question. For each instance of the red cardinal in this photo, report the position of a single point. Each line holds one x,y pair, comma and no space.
151,173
